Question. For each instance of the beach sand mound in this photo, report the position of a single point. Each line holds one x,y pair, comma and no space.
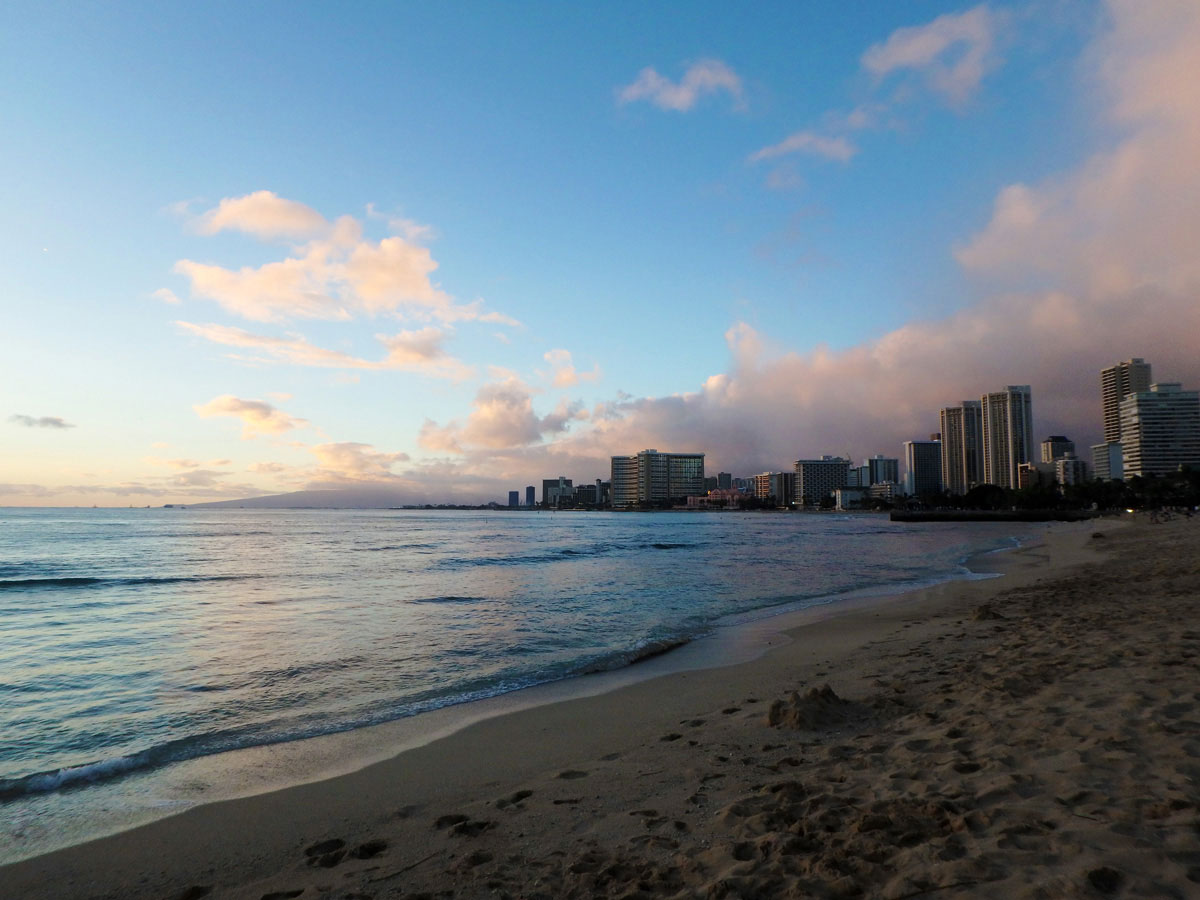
815,710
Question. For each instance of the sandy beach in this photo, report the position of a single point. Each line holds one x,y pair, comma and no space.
1036,735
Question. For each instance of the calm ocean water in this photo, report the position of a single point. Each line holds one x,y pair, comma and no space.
132,641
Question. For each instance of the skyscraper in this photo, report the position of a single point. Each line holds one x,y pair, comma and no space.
1007,434
529,496
962,446
1116,383
1160,430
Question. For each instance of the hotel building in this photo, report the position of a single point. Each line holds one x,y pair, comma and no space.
1160,430
922,468
1007,434
1116,383
817,479
962,446
651,477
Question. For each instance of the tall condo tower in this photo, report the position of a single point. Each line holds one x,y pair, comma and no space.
1007,434
1116,383
1160,430
962,446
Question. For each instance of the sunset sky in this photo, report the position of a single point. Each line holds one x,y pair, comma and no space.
451,249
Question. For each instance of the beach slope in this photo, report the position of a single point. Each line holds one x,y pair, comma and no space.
1036,735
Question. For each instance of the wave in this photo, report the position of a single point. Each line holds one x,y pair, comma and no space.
449,599
196,746
28,584
598,549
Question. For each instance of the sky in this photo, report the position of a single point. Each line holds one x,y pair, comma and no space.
448,250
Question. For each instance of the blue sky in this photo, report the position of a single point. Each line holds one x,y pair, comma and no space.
596,236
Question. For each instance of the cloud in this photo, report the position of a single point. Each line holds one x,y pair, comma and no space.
835,148
952,53
166,295
1129,217
564,373
39,421
419,351
257,416
352,462
707,76
502,417
335,275
264,215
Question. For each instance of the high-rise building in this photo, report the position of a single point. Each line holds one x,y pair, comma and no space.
557,490
922,467
817,479
1057,447
1116,383
1107,464
1160,430
1070,470
529,496
1007,434
881,469
962,446
653,477
724,481
514,498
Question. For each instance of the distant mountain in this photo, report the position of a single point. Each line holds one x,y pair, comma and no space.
345,498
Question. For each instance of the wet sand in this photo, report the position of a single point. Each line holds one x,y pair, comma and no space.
1036,735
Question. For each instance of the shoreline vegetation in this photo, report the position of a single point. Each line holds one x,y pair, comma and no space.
1035,735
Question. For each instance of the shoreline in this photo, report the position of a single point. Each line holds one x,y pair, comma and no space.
189,783
428,767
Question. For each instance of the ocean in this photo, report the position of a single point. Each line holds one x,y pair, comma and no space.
147,656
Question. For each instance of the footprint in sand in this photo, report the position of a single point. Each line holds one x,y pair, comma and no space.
609,757
282,895
326,854
449,819
571,774
196,891
671,737
730,710
472,829
514,800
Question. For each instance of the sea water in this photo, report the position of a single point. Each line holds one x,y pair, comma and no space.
133,642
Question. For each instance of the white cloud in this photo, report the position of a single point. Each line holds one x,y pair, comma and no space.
706,76
563,372
265,215
166,295
257,416
952,53
335,275
835,148
419,351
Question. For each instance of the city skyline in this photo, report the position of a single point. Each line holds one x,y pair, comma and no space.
504,246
